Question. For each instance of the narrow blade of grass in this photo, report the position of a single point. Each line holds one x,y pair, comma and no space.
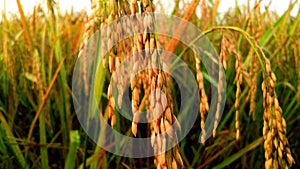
74,144
3,149
12,143
237,155
64,114
43,140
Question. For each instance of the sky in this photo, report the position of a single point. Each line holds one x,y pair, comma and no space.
279,6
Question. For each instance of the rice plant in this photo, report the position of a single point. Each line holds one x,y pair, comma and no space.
257,56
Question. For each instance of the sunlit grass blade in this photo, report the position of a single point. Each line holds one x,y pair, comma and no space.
25,25
279,23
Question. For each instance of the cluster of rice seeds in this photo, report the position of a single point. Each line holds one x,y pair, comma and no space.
89,28
239,80
255,28
135,86
204,106
111,106
131,46
277,150
255,22
113,64
218,108
230,49
144,50
115,55
140,42
160,110
226,47
254,68
36,70
161,127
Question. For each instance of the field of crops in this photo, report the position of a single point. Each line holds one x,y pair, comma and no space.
251,84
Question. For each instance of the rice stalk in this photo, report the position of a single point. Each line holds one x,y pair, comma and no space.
226,47
219,99
204,106
277,152
253,73
277,149
239,80
134,84
89,28
255,28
